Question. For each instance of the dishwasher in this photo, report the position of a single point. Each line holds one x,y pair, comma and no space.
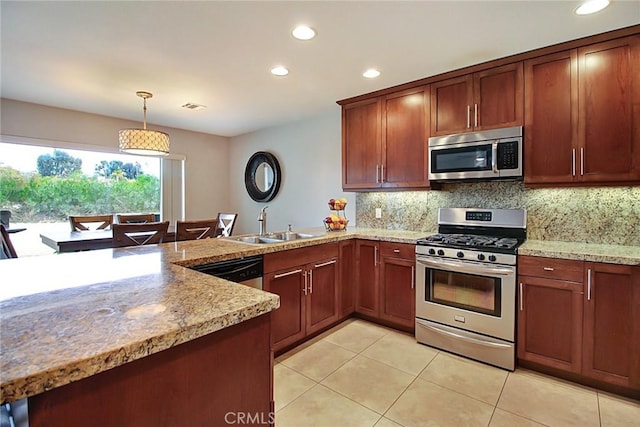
246,271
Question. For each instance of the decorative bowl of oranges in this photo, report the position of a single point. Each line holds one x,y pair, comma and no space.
337,204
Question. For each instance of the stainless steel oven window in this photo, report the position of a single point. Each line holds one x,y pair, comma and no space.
480,294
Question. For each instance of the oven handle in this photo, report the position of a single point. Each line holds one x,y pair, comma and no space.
464,268
462,337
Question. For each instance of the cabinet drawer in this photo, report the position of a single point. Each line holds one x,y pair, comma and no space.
397,250
286,259
552,268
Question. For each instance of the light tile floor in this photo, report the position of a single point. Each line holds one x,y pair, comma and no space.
363,374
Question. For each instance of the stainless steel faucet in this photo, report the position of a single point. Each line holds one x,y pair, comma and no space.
262,220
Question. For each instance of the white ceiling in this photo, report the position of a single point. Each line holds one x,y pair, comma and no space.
93,56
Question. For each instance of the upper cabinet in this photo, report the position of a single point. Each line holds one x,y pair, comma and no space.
384,141
582,115
487,99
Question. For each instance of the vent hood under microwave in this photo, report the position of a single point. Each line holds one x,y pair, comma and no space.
494,154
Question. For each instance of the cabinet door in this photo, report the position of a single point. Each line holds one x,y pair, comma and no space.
550,322
347,277
612,324
404,139
498,97
551,118
367,280
322,294
609,96
451,105
287,322
397,291
361,140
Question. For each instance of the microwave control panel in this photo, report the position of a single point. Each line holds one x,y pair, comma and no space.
508,155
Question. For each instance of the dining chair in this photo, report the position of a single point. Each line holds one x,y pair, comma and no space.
139,234
194,230
226,222
8,251
136,218
79,223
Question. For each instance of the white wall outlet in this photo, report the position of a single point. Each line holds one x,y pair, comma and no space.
378,213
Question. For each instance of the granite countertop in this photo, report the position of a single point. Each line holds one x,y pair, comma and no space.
69,316
592,252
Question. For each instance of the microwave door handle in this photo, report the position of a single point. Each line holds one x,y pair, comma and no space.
494,156
466,268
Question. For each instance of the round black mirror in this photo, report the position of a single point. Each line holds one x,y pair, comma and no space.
262,176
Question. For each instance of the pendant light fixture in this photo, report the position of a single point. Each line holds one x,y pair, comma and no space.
144,141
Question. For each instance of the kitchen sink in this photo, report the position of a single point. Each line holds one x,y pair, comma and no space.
270,238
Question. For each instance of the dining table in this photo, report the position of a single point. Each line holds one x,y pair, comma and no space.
74,241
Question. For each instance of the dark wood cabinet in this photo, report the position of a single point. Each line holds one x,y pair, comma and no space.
347,277
384,141
386,282
487,99
582,318
550,312
612,324
307,281
582,115
397,284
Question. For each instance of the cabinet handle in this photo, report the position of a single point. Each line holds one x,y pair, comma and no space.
310,281
396,251
413,277
377,174
468,116
375,256
475,115
521,301
305,282
589,284
581,160
289,273
573,162
548,268
333,261
382,173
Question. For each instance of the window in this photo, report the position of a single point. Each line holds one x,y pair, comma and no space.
42,185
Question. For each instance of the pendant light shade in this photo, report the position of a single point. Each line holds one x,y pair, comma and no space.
144,141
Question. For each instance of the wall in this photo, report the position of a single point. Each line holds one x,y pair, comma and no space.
309,153
608,215
206,165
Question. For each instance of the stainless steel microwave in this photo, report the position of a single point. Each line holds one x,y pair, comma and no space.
492,154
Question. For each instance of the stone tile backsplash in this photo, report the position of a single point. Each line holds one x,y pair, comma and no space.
608,215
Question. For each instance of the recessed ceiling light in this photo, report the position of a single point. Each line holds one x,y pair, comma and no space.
303,32
371,73
591,6
279,71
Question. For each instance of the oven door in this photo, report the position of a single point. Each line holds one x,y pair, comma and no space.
473,296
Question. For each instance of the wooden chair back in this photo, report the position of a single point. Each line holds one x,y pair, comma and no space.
79,223
193,230
139,234
226,222
136,218
7,249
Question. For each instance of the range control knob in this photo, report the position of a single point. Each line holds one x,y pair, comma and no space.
432,251
440,252
492,257
480,257
460,254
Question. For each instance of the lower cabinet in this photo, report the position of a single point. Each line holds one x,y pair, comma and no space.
307,282
386,282
582,318
347,277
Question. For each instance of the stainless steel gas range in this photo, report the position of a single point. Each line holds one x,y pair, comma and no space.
466,283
